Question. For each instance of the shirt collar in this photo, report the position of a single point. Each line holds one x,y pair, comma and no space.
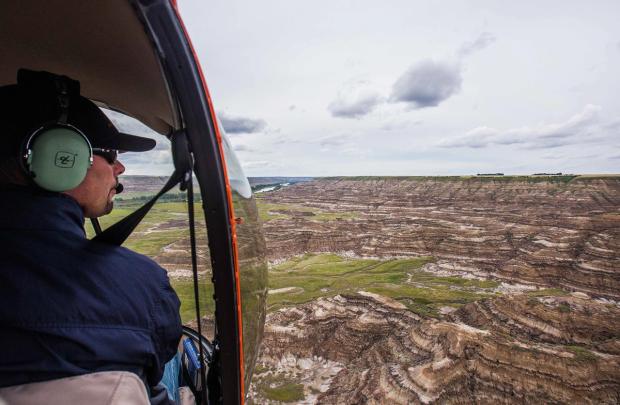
29,208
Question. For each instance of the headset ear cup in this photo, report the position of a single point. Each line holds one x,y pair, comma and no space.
59,158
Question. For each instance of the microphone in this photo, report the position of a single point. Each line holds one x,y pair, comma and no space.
119,188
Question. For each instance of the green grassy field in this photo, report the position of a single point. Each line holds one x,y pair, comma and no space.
277,387
137,197
185,290
164,224
286,391
581,354
306,278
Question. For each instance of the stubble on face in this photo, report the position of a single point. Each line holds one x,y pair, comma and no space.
110,203
95,194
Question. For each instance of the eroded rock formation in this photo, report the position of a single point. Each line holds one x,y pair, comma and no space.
514,348
369,349
544,233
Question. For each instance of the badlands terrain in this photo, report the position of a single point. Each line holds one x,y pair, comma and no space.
425,289
442,290
556,233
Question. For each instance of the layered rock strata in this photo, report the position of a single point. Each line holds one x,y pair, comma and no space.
510,350
564,235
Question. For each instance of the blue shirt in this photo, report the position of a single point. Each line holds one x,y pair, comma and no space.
71,306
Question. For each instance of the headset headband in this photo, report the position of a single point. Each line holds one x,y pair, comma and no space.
63,100
57,155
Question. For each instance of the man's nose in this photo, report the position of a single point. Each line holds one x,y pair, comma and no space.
119,168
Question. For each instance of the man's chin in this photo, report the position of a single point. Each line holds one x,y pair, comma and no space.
104,211
108,208
110,203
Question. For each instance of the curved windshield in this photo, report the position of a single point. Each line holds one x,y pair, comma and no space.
251,259
163,234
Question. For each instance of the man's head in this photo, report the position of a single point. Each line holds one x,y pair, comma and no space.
96,193
36,101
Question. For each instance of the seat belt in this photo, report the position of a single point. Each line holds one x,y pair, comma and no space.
183,164
120,231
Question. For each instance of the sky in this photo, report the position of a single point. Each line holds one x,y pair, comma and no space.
330,88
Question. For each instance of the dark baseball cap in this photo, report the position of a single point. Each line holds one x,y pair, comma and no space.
34,102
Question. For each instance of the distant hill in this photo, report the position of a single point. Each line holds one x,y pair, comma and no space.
263,181
141,184
264,184
152,184
137,186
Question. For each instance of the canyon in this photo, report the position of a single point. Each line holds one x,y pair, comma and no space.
537,262
542,233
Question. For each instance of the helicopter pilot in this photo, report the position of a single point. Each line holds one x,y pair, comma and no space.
69,305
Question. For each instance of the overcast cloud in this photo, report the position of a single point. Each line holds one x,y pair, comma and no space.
580,128
426,84
240,125
408,87
242,148
334,140
354,105
484,39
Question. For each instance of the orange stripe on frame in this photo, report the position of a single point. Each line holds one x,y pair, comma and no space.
231,219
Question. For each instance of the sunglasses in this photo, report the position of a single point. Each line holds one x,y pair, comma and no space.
110,155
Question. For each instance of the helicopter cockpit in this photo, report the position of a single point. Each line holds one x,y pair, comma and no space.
134,59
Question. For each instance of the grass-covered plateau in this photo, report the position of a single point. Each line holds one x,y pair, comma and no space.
309,277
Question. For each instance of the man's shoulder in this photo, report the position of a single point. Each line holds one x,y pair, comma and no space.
129,263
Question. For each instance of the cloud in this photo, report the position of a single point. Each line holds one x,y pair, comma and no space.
354,102
484,39
278,139
160,158
427,84
241,125
613,125
258,164
400,124
576,129
242,148
157,160
334,140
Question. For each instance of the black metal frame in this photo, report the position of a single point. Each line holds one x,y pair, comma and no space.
184,78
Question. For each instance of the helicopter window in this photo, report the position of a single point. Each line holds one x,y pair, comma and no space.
238,182
163,234
251,258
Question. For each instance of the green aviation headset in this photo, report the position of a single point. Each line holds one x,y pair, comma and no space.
57,155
